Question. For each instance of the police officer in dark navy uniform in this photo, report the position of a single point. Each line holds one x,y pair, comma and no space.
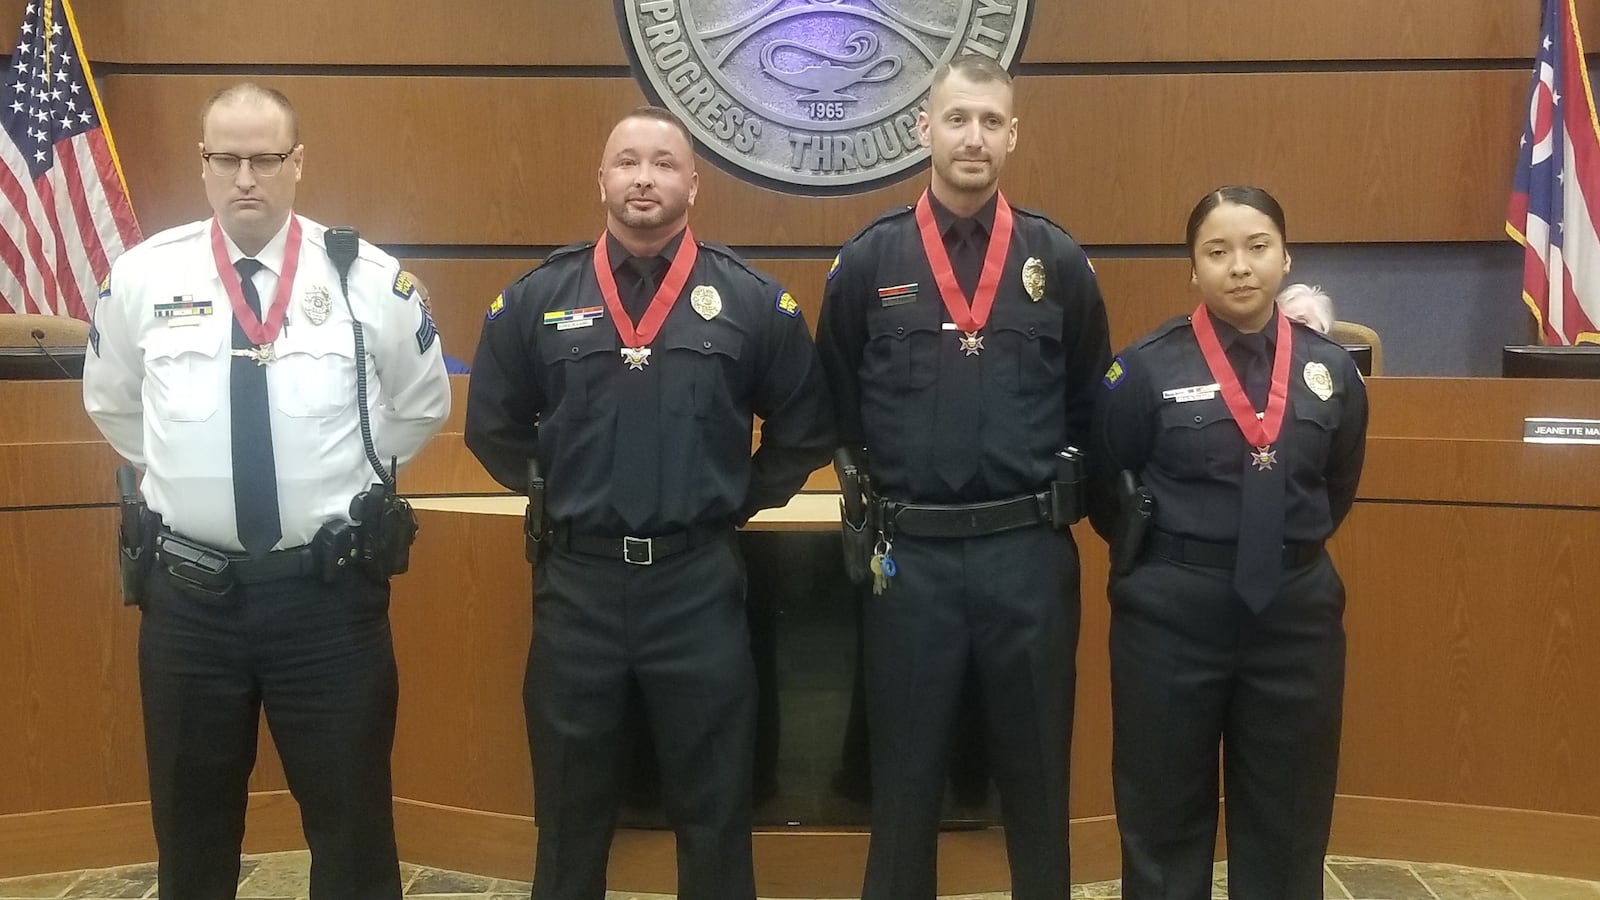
1234,439
963,339
629,369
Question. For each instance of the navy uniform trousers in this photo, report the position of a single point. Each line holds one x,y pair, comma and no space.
678,630
1193,668
319,660
1006,604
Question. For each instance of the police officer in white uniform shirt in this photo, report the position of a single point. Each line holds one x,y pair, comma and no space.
222,362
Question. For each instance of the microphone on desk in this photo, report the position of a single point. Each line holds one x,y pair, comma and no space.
38,341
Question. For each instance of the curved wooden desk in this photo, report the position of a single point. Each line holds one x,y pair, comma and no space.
1470,726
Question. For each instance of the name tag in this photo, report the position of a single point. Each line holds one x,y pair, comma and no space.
574,323
1192,393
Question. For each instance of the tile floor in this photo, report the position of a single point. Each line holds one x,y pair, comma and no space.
282,876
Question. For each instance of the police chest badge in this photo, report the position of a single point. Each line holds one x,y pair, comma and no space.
317,303
706,301
1033,278
1319,380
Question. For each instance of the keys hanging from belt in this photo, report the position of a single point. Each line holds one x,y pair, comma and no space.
882,565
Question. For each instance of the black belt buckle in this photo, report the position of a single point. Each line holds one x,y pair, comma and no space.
199,568
639,551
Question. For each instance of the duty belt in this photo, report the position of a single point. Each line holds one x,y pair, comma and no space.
218,570
639,551
1215,555
960,520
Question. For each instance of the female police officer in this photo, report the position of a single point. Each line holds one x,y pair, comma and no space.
1247,433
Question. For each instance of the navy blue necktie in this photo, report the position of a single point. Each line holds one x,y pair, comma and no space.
636,458
955,449
255,477
1259,566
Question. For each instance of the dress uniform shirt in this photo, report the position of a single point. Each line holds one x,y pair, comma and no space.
157,384
889,355
1191,454
549,382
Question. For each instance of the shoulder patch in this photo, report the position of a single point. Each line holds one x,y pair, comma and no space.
403,285
94,337
105,287
788,305
1115,374
833,269
497,306
426,333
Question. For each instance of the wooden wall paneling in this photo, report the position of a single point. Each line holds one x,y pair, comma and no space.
1469,656
365,32
1153,30
1475,471
462,621
68,653
1386,156
1473,408
584,32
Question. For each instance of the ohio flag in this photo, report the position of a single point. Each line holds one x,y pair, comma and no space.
1555,202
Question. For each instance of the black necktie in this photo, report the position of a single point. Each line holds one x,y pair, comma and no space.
955,453
255,479
1259,566
636,456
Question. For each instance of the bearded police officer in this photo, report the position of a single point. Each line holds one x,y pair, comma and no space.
629,369
962,338
223,361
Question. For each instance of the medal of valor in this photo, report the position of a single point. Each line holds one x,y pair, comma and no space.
317,304
262,354
706,301
968,318
1259,429
1033,278
636,339
1263,457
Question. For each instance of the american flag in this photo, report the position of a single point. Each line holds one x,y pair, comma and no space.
64,210
1555,202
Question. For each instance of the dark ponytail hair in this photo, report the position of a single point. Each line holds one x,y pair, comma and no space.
1253,197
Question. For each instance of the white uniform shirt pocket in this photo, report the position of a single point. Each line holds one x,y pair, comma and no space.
181,383
315,373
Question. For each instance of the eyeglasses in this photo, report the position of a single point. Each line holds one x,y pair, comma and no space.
265,165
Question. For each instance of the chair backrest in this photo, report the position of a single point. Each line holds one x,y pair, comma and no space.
1356,333
57,331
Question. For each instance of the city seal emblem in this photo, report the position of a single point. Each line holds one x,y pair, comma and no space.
809,96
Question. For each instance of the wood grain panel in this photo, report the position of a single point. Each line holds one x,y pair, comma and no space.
1474,471
93,837
1151,30
1393,156
584,32
69,682
1470,672
1507,839
462,620
1473,408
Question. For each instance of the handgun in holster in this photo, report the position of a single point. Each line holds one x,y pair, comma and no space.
1067,503
1136,507
855,502
386,527
534,528
136,537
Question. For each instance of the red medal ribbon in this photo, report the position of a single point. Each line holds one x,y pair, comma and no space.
260,333
1260,432
660,304
968,319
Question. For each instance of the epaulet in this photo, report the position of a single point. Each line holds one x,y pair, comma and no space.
1305,330
726,253
1165,328
889,215
554,257
175,234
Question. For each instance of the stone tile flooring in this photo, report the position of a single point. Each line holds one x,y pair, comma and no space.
282,876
